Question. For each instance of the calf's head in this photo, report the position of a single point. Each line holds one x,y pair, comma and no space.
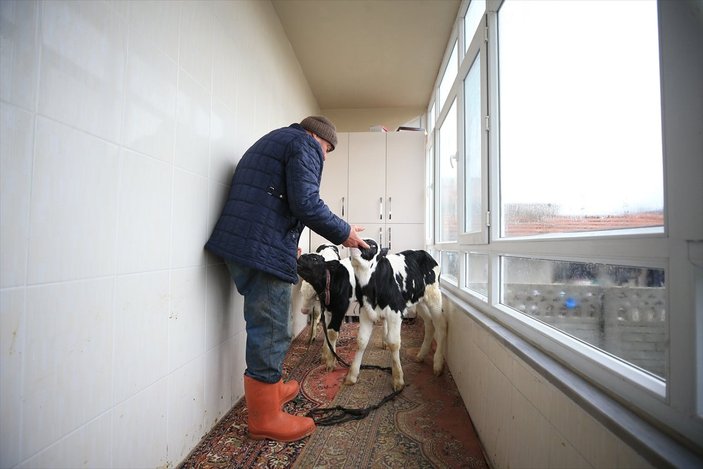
362,259
366,254
311,268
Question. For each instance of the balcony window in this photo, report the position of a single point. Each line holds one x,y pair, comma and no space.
580,126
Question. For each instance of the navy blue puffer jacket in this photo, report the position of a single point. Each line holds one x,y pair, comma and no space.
275,193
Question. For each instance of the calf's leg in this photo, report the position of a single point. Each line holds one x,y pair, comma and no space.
394,324
327,355
314,321
429,332
384,341
362,340
434,304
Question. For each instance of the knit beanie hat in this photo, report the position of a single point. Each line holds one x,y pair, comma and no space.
323,127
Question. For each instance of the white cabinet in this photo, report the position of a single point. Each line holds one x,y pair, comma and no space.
333,189
377,180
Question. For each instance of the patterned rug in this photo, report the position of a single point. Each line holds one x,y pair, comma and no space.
426,426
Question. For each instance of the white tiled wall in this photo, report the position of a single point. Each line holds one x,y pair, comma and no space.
121,340
523,420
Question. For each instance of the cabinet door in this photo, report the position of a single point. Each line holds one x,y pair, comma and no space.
401,236
333,188
405,177
367,177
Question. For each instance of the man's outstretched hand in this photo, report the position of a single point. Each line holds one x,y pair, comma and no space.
354,240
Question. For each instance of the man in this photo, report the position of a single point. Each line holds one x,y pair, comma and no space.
275,193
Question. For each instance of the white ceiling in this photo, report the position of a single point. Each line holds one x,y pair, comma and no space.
360,54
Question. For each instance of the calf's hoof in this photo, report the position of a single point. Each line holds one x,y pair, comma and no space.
398,385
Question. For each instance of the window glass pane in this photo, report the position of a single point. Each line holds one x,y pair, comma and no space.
445,85
580,116
618,309
448,177
450,266
473,18
477,274
472,119
429,195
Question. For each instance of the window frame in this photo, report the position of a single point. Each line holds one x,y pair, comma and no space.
452,103
476,47
670,403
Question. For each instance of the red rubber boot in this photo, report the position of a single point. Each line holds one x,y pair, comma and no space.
266,419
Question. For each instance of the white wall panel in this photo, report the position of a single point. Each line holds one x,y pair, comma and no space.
83,51
67,359
186,318
139,427
186,408
16,142
188,235
144,217
73,209
192,125
150,101
141,332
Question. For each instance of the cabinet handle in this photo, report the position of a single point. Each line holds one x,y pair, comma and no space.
380,238
389,237
342,206
380,208
389,212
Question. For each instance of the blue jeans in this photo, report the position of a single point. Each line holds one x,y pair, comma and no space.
266,312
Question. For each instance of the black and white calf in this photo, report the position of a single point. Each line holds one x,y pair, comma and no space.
389,284
334,285
310,303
